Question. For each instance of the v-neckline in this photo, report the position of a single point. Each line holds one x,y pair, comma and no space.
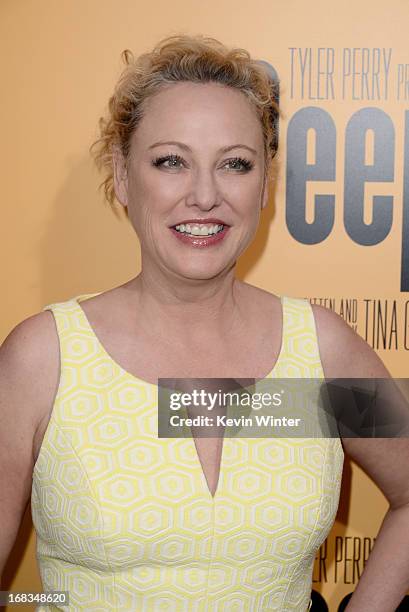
81,297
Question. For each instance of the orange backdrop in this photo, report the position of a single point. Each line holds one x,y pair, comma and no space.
344,71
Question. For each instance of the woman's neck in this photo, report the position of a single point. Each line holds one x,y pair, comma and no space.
189,307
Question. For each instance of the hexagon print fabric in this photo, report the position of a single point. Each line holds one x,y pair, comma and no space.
125,520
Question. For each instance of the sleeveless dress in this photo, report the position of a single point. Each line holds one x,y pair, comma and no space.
125,520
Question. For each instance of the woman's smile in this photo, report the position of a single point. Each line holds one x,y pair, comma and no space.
200,233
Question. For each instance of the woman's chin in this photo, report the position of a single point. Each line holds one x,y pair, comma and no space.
201,272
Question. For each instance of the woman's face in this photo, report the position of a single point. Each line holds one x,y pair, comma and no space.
196,162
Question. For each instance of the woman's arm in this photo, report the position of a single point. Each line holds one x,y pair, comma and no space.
28,360
385,579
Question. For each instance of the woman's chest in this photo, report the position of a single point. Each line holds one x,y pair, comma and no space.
250,354
239,345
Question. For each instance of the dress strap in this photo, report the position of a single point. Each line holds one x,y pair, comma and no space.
75,335
63,313
300,349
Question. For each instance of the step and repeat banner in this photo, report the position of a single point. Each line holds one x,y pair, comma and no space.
336,230
347,197
341,229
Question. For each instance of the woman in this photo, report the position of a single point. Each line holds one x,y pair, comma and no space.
129,521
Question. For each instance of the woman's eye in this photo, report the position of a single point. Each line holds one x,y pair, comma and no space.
174,161
239,163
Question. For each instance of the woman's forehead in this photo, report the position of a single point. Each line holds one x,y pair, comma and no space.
199,110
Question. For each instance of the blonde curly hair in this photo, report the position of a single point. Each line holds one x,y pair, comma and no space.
181,57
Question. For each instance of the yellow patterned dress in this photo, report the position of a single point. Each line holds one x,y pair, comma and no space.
125,520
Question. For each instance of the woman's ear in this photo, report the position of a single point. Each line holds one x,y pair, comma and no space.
120,176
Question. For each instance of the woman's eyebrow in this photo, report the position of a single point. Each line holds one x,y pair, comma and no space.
187,148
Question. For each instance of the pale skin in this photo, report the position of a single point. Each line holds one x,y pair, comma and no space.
186,315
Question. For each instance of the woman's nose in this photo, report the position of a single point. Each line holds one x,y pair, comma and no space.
204,191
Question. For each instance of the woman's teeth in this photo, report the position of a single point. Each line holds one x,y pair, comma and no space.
199,230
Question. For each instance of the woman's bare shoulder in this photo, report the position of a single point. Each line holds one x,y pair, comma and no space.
29,351
344,353
30,337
